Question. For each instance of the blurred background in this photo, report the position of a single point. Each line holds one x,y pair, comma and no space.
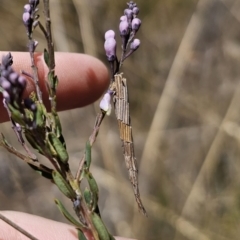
185,107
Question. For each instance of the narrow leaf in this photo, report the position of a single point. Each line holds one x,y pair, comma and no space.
81,235
88,197
47,173
4,141
46,57
67,215
40,116
63,186
58,146
94,189
32,142
100,227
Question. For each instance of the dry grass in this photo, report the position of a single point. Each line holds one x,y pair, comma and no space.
184,90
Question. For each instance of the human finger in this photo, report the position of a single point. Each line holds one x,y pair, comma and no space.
82,78
41,228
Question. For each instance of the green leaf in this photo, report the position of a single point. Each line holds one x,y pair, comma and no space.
81,235
93,188
63,186
47,172
58,129
16,115
4,141
53,81
111,237
88,197
100,227
33,142
59,148
46,56
40,115
88,154
67,215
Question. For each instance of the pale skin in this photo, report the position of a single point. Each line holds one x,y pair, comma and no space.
83,79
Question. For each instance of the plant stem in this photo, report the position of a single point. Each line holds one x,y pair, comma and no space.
92,139
35,73
51,63
19,229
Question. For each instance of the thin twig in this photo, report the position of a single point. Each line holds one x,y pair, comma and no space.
49,36
92,139
18,228
25,158
18,131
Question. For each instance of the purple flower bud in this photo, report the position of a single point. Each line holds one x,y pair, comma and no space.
123,28
29,104
128,13
136,23
27,8
7,60
135,44
135,11
6,85
6,96
13,77
123,18
27,19
131,5
109,34
22,82
105,103
5,73
110,47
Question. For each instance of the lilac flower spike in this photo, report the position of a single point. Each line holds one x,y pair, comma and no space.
110,47
128,27
11,82
29,15
109,34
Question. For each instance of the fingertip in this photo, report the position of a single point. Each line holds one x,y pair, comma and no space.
82,78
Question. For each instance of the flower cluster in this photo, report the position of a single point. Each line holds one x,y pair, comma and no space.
128,27
12,84
29,15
